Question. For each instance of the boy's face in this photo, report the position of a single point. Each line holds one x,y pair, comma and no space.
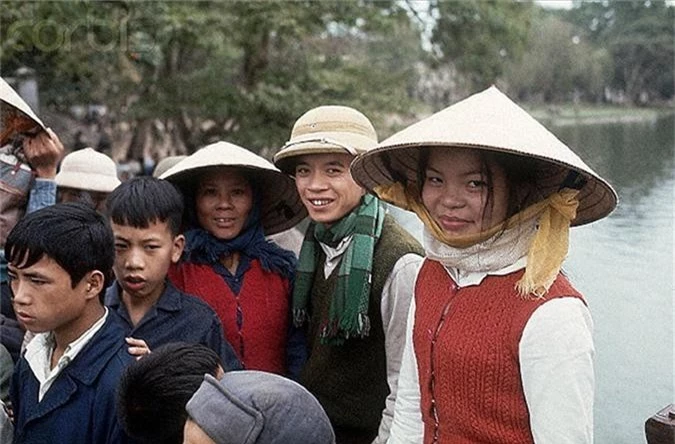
44,299
326,186
143,257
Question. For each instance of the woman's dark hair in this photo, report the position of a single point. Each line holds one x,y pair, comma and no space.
153,391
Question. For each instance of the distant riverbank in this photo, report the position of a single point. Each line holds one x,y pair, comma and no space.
568,114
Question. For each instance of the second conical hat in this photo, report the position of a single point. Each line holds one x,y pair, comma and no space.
490,121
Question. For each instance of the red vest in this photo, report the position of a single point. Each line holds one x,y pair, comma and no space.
263,306
469,339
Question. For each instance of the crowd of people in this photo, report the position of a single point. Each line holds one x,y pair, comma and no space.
228,299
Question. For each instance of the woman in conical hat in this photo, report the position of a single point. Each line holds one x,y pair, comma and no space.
499,346
233,199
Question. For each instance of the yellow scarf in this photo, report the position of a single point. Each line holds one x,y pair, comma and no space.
549,246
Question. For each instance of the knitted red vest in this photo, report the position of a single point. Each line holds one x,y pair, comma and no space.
263,305
476,380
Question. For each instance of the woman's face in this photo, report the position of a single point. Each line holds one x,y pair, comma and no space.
457,188
224,199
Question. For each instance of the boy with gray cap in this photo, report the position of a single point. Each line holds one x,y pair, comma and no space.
249,406
354,279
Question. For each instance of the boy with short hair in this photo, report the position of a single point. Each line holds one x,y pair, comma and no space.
60,262
153,391
145,214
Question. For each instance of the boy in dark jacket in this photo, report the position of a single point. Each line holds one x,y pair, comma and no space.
145,214
60,260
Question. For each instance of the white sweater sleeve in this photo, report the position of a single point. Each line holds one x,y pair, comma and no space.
396,296
407,427
556,358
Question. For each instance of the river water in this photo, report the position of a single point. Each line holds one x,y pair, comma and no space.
623,265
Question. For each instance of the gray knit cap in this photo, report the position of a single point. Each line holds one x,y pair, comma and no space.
247,407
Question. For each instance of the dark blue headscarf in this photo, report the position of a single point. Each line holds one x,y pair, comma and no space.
204,248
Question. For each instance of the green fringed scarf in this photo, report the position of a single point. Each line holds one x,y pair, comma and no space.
348,312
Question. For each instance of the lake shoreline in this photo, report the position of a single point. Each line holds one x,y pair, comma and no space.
565,115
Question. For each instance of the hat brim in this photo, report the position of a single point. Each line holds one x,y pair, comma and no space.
281,207
492,122
332,143
12,103
86,182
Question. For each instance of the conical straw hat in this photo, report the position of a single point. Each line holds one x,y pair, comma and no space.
281,205
12,106
489,121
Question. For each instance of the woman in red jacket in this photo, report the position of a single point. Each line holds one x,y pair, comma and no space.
233,199
499,346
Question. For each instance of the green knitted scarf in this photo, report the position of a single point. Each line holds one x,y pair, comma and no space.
348,312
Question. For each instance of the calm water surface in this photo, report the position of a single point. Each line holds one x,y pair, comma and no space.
624,267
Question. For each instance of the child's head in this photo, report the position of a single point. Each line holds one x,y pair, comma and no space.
145,214
153,391
59,261
255,407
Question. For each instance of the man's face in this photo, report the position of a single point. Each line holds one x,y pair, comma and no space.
326,186
44,299
143,257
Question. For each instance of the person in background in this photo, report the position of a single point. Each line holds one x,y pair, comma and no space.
145,214
60,261
42,150
153,391
86,176
354,279
499,346
233,197
257,408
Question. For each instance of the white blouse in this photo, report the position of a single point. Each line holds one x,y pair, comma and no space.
556,361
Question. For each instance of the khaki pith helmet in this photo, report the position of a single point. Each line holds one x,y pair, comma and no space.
327,129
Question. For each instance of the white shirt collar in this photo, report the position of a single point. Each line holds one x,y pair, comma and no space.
39,354
468,278
333,255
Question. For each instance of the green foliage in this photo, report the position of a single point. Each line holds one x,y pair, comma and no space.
574,68
181,74
639,37
243,71
480,36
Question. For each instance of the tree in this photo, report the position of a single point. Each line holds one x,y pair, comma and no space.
178,75
639,36
559,64
480,36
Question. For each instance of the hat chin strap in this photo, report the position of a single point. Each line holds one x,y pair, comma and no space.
549,245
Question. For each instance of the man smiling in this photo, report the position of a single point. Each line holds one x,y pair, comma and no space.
354,279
